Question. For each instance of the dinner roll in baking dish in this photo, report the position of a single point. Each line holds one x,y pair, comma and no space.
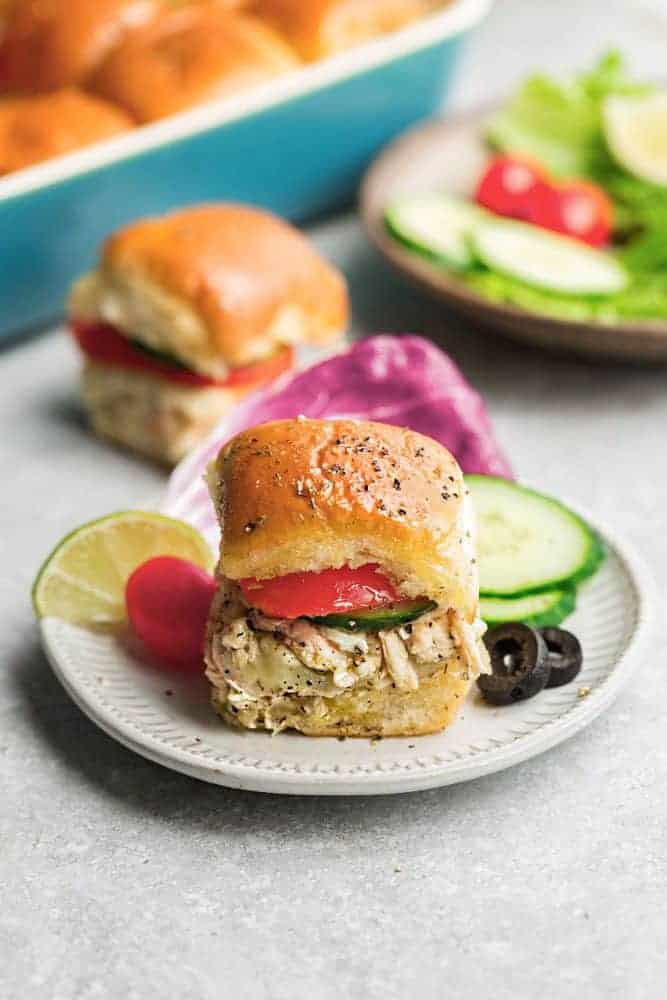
317,28
47,45
38,128
189,55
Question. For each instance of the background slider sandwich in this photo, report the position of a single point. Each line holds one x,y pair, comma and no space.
187,313
348,592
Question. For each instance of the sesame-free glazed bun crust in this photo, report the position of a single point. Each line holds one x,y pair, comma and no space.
298,495
188,55
218,286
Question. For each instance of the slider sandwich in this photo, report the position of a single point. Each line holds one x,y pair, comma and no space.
347,600
187,313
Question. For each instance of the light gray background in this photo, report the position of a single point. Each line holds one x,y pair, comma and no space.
121,879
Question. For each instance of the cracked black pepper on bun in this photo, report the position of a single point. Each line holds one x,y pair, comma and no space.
312,496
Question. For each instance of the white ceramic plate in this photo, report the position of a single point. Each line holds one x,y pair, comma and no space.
170,721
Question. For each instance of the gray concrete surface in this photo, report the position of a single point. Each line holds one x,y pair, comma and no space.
121,879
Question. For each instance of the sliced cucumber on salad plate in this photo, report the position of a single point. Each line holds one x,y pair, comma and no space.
436,226
461,235
545,259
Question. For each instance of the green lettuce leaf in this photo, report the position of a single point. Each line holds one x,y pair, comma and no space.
645,297
559,122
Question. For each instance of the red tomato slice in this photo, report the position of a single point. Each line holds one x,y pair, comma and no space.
576,208
102,342
331,591
168,601
509,185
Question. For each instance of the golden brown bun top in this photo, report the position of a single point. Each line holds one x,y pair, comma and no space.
238,269
37,128
317,28
54,43
189,55
299,495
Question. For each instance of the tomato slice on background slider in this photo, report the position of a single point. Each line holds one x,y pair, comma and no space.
103,343
331,591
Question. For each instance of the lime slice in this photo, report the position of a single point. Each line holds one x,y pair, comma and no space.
83,580
636,133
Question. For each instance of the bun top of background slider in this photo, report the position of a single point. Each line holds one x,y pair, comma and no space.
217,286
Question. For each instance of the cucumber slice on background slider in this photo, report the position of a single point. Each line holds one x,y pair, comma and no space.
538,610
545,259
528,543
436,226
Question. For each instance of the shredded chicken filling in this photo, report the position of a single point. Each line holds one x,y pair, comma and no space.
256,660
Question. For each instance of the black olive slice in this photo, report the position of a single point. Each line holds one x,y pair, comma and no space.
518,657
564,656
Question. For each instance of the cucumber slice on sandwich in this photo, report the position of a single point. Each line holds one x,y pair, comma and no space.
529,543
546,260
377,619
538,610
436,226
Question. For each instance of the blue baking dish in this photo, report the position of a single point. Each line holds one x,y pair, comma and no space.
298,146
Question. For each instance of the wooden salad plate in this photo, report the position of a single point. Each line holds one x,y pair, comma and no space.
449,155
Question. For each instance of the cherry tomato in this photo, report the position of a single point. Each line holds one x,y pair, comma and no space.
168,601
102,342
509,186
575,208
328,592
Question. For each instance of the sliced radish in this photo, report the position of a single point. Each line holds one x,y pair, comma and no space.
576,208
168,601
509,186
